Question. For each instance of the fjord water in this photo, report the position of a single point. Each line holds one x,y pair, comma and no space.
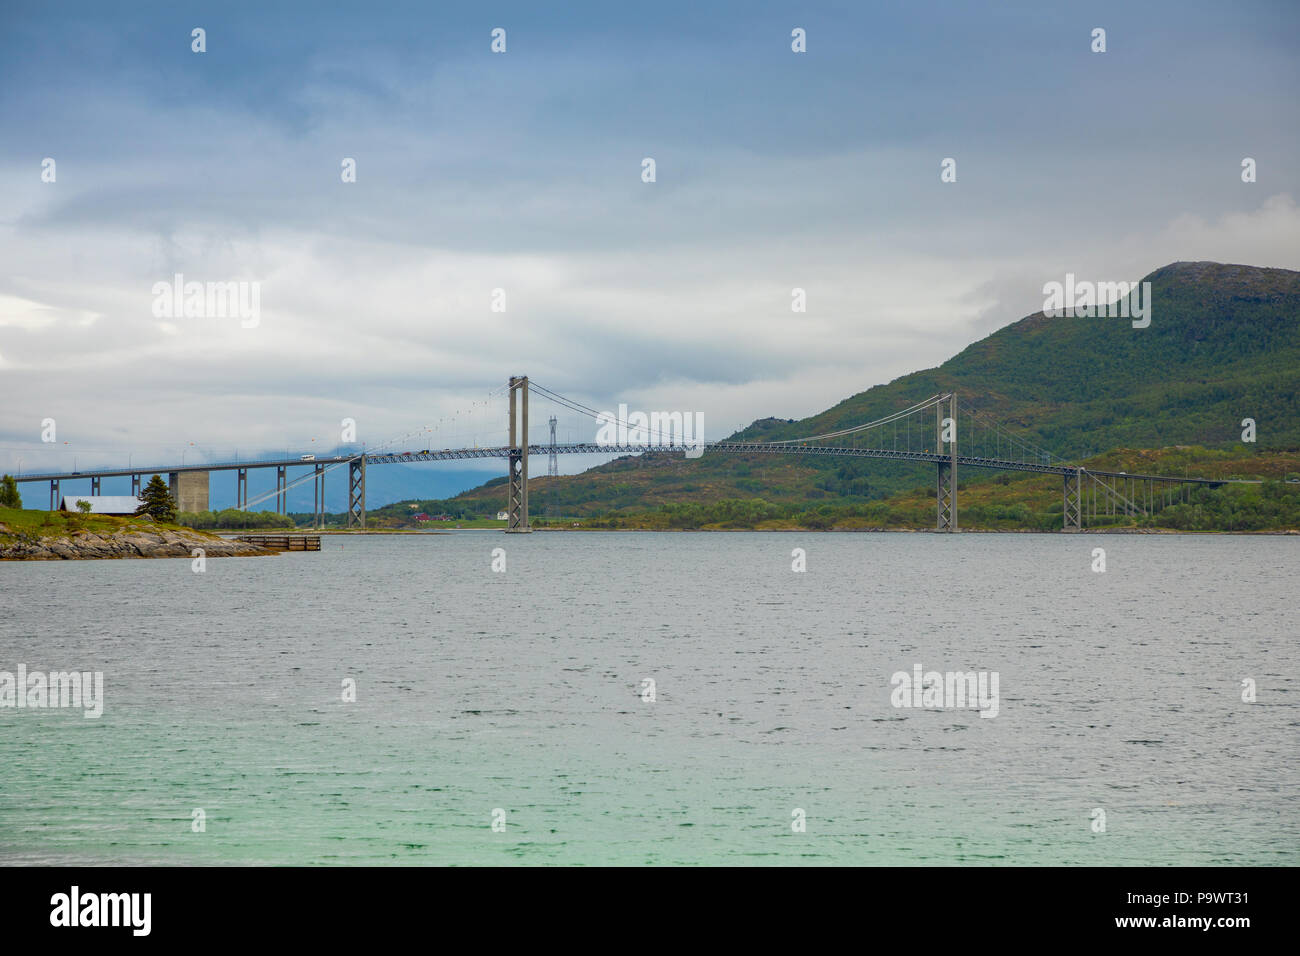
1119,691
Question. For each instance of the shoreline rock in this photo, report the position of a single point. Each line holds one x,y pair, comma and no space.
87,545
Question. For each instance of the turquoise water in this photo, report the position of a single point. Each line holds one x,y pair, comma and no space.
522,691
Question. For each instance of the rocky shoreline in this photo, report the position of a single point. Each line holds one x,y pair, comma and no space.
81,545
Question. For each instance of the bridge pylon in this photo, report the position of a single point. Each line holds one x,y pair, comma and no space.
517,504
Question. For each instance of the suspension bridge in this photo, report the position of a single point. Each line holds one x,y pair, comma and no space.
938,431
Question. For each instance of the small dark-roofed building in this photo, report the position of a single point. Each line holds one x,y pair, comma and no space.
119,505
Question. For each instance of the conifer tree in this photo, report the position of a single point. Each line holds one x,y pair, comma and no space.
157,502
9,497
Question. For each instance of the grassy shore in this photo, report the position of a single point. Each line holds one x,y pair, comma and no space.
16,523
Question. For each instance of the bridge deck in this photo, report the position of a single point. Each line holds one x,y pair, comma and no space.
593,448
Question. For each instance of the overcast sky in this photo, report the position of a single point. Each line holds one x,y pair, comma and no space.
522,171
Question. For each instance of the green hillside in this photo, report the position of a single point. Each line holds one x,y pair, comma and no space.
1223,345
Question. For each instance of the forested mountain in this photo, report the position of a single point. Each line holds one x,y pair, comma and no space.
1223,344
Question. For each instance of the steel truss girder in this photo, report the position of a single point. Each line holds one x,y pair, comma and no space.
592,448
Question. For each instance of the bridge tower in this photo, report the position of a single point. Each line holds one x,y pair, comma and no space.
946,491
517,506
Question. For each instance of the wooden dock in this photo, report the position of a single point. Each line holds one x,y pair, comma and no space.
283,542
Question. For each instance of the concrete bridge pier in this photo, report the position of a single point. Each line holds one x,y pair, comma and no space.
189,489
318,487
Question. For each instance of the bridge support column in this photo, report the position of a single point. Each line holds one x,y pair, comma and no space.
241,488
946,498
54,494
135,486
1072,506
318,486
281,493
517,506
94,485
357,493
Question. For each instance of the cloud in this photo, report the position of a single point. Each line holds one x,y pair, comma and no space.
1268,235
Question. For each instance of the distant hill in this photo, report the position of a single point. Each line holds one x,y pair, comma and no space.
1223,345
